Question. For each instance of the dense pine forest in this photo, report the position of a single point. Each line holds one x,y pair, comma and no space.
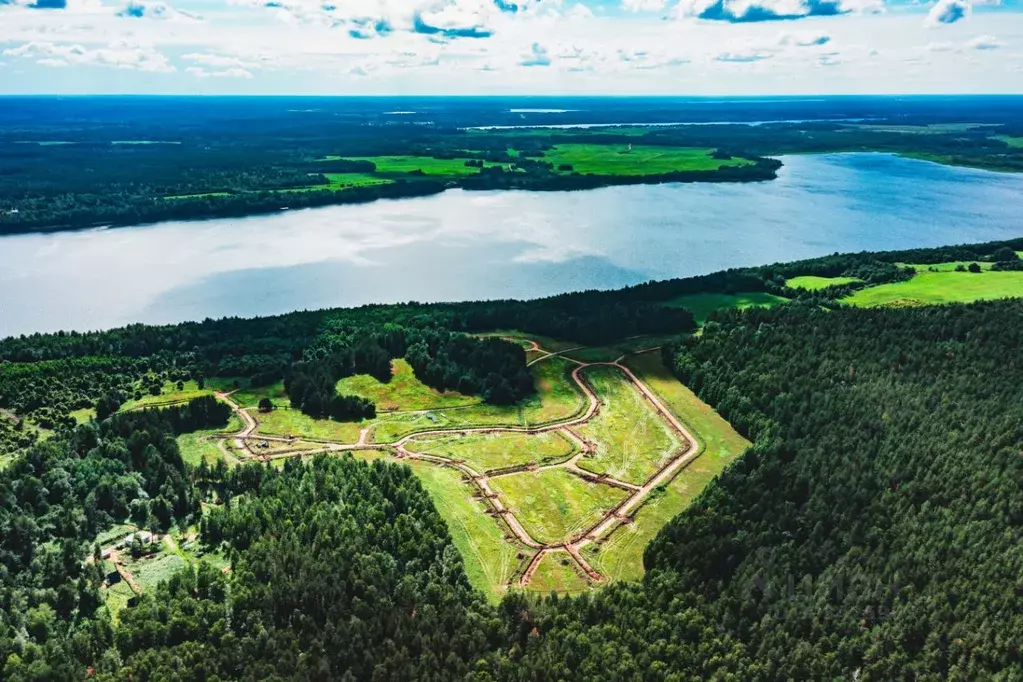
871,532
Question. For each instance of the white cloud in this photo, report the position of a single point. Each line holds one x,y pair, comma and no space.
644,5
537,56
121,56
200,72
984,43
948,12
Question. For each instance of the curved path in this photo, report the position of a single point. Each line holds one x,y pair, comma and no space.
481,480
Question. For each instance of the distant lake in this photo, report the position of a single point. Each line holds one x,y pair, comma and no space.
472,245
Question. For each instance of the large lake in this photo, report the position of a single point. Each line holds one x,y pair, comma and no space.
471,245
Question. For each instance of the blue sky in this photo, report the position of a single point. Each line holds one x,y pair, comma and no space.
676,47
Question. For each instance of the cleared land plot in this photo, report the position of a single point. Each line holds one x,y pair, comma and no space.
249,396
945,267
403,165
487,451
149,571
557,572
814,283
338,182
282,422
403,392
702,305
553,504
619,159
1010,140
545,342
557,398
928,288
202,445
490,560
83,415
614,351
169,395
633,441
620,557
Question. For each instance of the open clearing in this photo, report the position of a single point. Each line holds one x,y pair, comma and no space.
169,395
557,572
632,441
941,287
623,159
703,305
814,283
620,556
516,484
286,423
553,504
403,392
488,451
202,445
490,560
557,398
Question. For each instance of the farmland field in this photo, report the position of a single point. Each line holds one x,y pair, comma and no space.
622,159
942,287
633,442
553,504
197,446
814,283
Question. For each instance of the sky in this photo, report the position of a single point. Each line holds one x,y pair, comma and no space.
491,47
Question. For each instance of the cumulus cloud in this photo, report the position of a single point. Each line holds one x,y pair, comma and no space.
117,56
440,19
751,11
537,56
804,39
644,5
984,43
138,9
743,57
200,72
948,12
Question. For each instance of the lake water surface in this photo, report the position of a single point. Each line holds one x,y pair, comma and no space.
472,245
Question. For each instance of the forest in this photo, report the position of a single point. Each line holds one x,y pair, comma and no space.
125,161
870,532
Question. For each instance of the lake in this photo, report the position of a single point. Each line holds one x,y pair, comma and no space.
471,245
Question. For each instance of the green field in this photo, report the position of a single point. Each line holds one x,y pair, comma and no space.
945,267
927,288
151,571
703,305
200,445
1010,140
486,451
83,415
396,166
403,392
553,504
557,398
614,351
559,573
490,560
619,159
814,283
620,557
204,195
169,395
633,442
282,422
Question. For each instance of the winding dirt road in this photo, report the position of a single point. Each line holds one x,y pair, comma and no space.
610,520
